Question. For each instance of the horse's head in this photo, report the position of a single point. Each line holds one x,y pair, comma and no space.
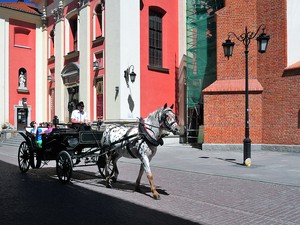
168,120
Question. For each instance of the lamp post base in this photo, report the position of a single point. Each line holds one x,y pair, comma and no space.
247,149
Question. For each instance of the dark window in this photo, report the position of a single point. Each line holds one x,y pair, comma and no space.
155,38
98,28
51,49
73,24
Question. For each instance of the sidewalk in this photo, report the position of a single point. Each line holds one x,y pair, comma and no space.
267,166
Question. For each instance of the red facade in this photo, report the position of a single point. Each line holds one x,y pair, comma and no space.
22,54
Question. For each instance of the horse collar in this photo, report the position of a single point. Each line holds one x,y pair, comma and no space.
146,136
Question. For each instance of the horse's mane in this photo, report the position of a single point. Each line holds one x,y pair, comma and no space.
154,115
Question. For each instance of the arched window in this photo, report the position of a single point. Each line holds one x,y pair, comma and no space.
22,78
98,22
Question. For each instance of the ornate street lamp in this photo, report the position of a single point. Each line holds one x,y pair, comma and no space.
127,74
262,42
228,48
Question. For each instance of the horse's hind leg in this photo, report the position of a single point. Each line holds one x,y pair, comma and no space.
115,157
107,174
138,180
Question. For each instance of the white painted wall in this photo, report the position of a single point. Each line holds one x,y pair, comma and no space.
122,49
112,56
4,71
293,31
181,28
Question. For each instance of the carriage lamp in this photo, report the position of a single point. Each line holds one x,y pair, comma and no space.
262,43
117,88
127,74
55,121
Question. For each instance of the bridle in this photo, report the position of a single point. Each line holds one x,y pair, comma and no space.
164,119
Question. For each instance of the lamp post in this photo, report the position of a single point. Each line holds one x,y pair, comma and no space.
262,42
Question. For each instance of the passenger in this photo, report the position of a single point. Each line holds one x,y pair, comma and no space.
79,118
36,131
50,127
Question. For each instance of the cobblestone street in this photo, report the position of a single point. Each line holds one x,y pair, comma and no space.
195,187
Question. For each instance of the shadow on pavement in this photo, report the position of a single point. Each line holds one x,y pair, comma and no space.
35,198
122,185
226,160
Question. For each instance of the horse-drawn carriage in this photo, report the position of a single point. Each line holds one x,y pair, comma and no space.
66,146
103,148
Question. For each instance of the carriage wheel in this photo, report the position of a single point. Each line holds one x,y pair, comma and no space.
101,166
24,157
64,166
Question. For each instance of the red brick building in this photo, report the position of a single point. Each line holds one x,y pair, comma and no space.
274,101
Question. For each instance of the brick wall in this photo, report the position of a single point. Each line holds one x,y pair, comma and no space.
281,102
273,108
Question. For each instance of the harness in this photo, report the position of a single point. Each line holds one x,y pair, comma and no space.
128,144
146,136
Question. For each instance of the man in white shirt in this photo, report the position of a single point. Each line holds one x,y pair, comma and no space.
79,118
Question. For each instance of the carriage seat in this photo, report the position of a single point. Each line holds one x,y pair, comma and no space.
32,136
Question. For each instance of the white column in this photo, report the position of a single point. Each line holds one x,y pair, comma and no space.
122,44
85,67
41,74
59,65
4,71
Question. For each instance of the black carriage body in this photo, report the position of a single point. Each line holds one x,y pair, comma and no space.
64,145
62,139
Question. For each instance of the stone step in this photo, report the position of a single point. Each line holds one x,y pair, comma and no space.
14,141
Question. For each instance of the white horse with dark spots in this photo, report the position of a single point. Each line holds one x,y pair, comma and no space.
140,142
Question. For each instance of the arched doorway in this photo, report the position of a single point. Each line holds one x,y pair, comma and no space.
70,75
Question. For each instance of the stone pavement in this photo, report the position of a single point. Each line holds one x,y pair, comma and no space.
267,166
205,187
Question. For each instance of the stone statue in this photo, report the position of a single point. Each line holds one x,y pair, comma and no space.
22,80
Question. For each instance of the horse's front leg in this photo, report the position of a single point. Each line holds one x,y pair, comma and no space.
146,166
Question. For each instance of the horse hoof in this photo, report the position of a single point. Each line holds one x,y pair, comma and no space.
156,197
108,186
